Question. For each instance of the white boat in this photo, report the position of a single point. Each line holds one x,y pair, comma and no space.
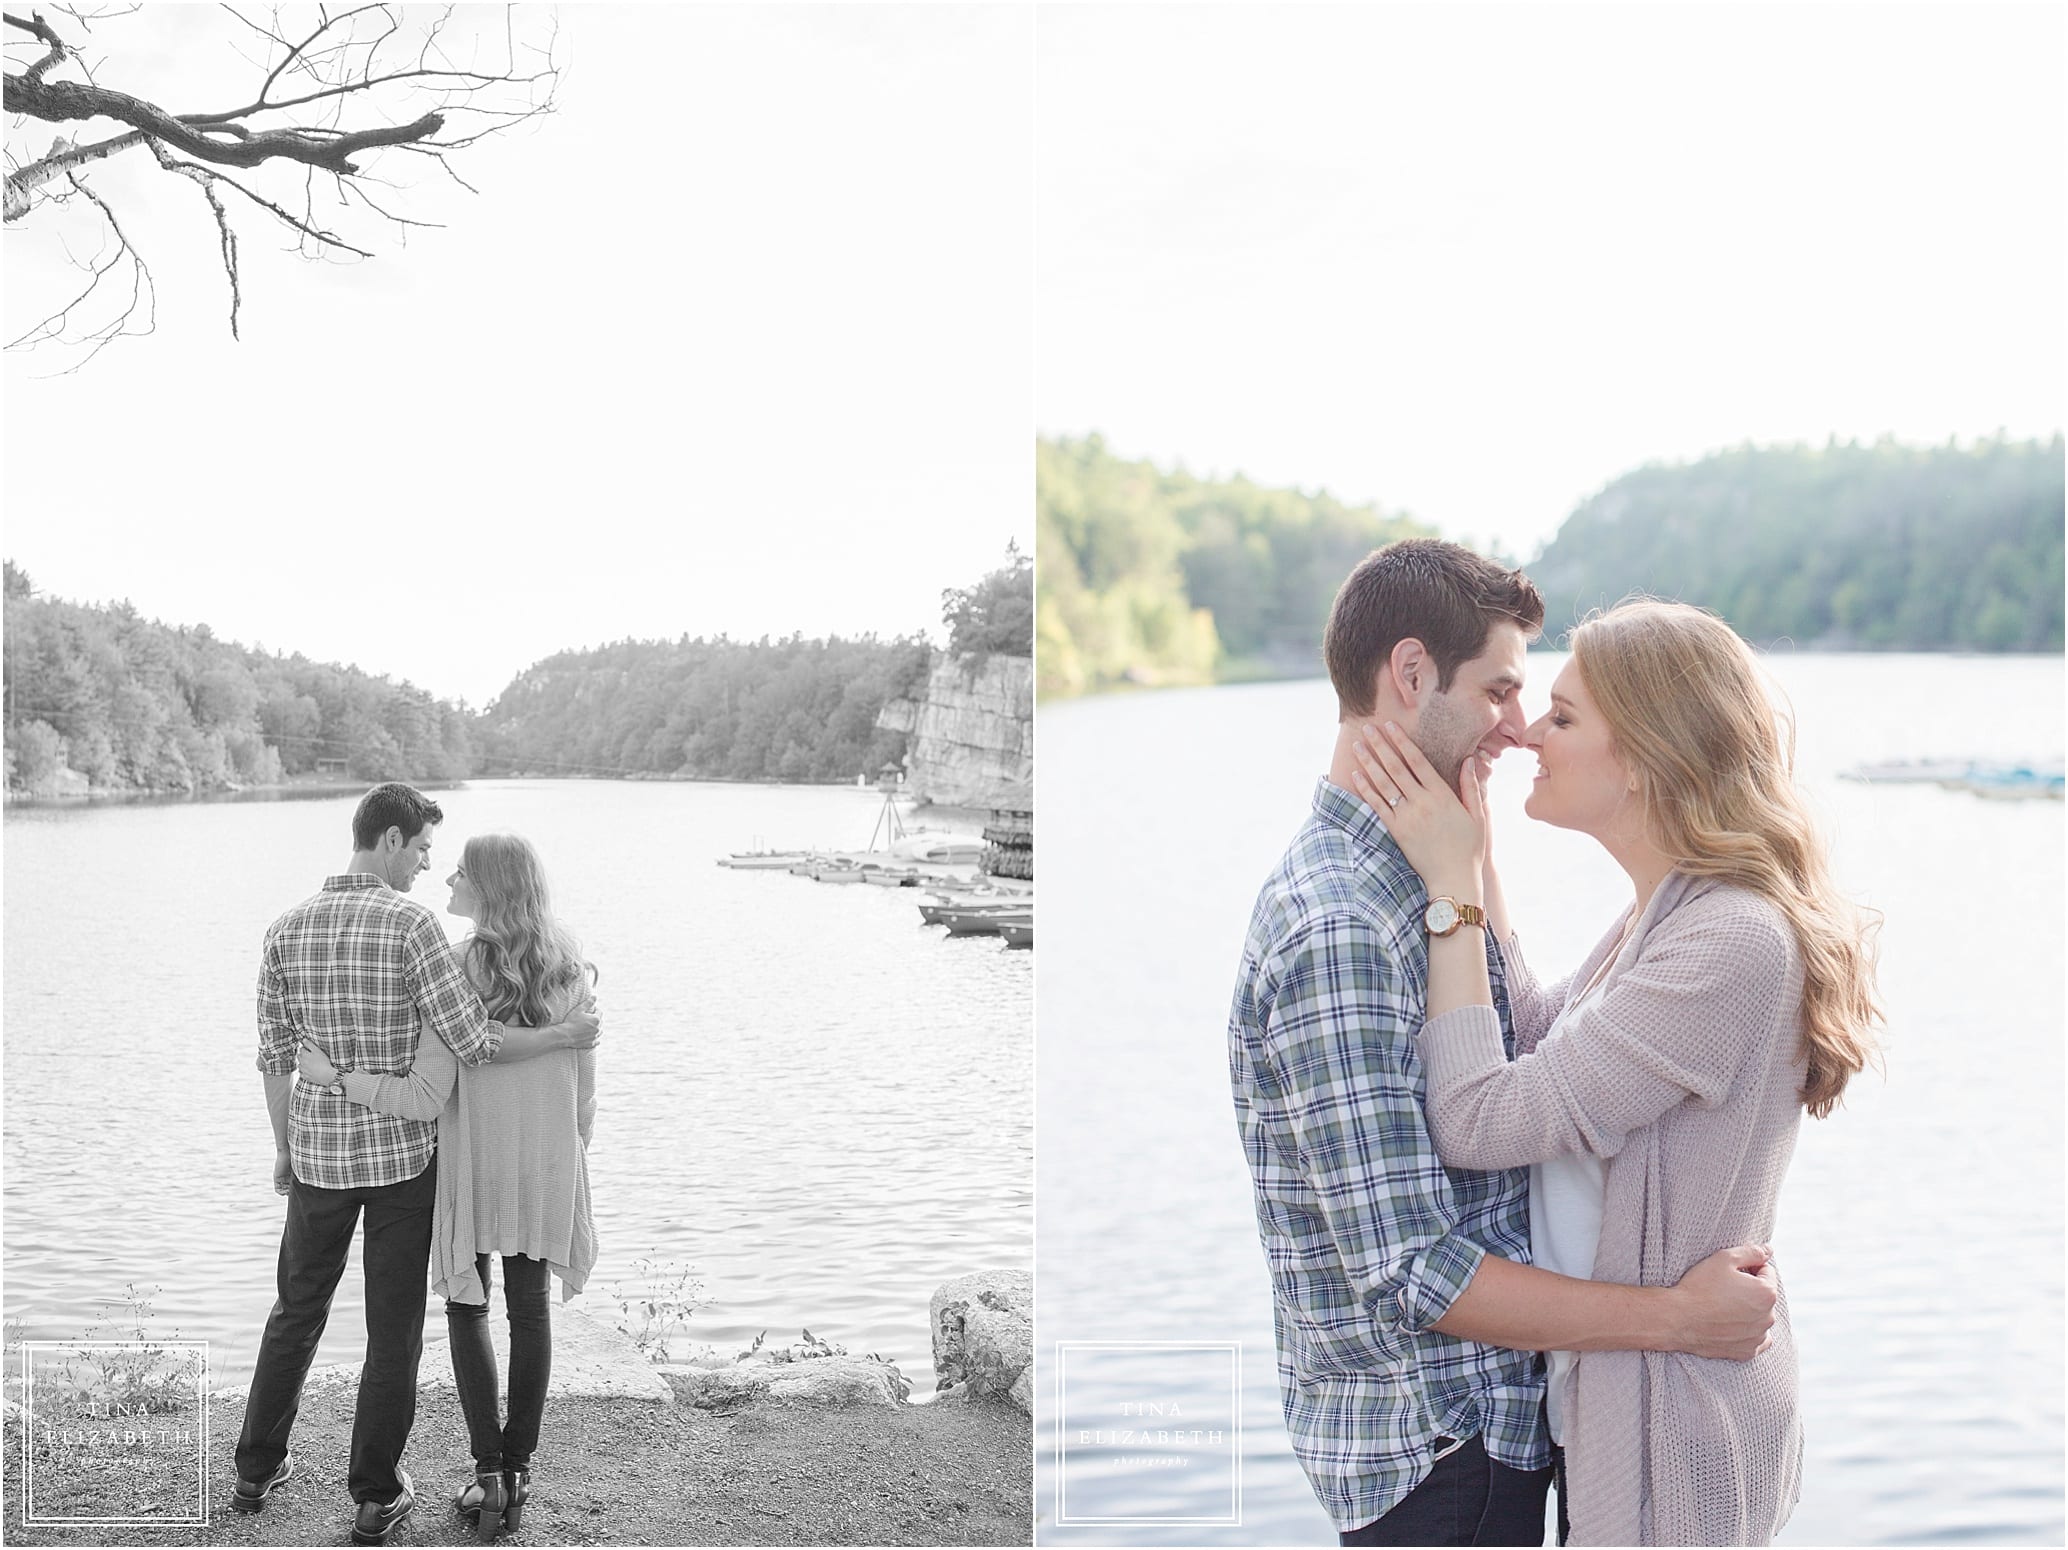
939,847
1901,771
762,860
1017,935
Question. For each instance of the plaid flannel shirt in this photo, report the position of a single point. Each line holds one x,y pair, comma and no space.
1368,1236
353,970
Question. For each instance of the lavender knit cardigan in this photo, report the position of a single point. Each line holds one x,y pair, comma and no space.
1686,1075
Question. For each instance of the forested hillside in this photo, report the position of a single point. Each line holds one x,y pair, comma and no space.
132,704
1150,576
100,697
1156,577
790,709
1868,547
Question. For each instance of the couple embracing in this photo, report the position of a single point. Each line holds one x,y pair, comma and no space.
448,1097
1457,1166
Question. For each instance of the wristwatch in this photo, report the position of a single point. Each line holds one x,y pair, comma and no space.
1444,915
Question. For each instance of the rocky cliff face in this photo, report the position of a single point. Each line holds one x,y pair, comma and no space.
970,741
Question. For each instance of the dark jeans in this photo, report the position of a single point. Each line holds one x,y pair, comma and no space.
1467,1499
313,1248
527,1294
1565,1518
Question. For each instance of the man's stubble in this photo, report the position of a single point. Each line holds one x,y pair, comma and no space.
1447,736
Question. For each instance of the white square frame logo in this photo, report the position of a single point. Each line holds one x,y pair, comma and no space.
1232,1518
30,1518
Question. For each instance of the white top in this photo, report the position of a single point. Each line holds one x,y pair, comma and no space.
1565,1198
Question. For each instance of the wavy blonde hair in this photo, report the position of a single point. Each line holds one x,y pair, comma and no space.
1714,758
524,962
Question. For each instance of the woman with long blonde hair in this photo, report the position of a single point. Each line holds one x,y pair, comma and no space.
513,1176
1658,1089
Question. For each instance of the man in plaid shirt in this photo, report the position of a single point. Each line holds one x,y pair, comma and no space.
353,970
1407,1312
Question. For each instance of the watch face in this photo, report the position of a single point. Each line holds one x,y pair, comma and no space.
1442,917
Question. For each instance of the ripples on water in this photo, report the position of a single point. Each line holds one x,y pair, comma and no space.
1920,1229
821,1104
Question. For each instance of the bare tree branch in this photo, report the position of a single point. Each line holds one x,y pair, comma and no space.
40,30
333,90
143,293
63,160
64,102
206,181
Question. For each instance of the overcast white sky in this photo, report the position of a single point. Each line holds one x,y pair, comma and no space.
1475,261
740,340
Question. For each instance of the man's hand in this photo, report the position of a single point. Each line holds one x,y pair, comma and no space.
283,1173
583,1029
1727,1303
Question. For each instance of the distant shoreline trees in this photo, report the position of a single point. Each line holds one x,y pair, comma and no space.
100,698
1885,547
135,705
1150,576
1154,577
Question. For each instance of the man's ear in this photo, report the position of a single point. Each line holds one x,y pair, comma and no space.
1411,671
392,841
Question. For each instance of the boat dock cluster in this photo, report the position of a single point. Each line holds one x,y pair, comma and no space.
962,896
1980,777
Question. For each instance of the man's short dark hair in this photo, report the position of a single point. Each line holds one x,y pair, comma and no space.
1438,593
392,806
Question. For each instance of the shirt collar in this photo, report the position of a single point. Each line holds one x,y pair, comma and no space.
338,880
1345,811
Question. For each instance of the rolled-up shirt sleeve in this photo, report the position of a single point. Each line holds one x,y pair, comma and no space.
1341,1033
277,1040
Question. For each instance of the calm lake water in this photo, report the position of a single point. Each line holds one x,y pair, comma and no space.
816,1101
1921,1228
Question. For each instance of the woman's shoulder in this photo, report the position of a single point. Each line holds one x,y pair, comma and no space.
1730,919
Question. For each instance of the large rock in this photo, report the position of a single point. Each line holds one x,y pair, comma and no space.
970,739
817,1380
983,1336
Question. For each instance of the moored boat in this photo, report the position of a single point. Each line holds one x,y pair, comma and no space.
983,922
762,860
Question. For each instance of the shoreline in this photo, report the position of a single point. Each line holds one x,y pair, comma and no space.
615,1471
804,1446
299,790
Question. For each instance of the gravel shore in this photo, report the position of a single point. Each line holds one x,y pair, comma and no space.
613,1472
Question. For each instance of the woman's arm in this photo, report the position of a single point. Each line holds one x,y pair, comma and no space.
418,1093
585,1094
1706,991
585,1081
1533,1008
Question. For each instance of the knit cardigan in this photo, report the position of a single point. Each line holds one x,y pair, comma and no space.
1686,1074
513,1169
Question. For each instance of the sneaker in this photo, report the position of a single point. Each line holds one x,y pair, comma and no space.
251,1495
372,1523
